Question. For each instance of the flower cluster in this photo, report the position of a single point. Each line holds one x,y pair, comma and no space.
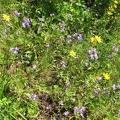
112,8
93,54
14,50
80,111
26,22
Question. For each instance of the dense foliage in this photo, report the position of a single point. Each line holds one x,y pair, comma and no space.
59,60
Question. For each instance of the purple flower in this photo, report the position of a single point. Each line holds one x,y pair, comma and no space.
80,37
26,22
75,34
96,93
69,41
96,56
27,56
89,52
69,15
114,87
33,97
82,111
5,32
16,13
109,56
68,83
76,109
69,36
52,14
106,92
63,64
93,54
14,50
66,113
115,48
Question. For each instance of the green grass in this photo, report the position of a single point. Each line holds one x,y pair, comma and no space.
59,60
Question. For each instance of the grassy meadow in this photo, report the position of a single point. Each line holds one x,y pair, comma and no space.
59,60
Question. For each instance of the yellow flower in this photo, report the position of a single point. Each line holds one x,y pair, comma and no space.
93,41
6,17
111,8
98,38
109,13
72,53
105,118
118,41
116,1
115,6
106,76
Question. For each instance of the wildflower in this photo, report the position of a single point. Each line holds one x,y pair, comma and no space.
80,37
93,41
52,14
16,13
14,50
106,76
5,32
115,6
33,97
115,48
69,36
96,93
6,17
106,92
27,56
34,66
87,63
69,15
63,64
109,13
69,41
76,109
111,8
109,56
26,22
98,38
68,83
118,41
82,111
93,54
116,1
72,53
66,113
98,78
41,19
114,87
